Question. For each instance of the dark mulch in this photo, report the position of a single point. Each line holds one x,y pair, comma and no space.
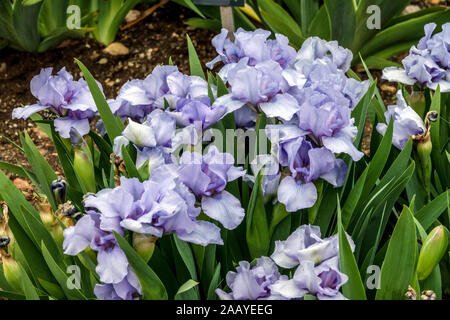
151,42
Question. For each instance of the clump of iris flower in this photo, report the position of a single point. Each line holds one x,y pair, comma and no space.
71,101
253,45
317,273
428,64
158,206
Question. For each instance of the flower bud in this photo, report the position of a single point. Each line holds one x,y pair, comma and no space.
59,188
46,213
5,231
84,167
432,251
144,245
11,270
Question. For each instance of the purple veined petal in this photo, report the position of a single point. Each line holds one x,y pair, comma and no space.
79,237
27,111
229,103
331,279
287,289
296,195
112,265
64,125
134,92
444,85
204,233
282,106
140,134
225,208
394,74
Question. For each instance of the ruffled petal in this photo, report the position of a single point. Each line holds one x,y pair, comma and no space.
225,208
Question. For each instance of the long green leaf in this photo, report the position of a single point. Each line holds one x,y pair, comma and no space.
194,61
152,287
353,289
106,114
401,256
343,20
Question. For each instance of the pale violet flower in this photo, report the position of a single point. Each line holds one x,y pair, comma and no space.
306,244
407,122
252,283
253,45
427,64
322,281
304,164
317,262
252,85
71,101
207,176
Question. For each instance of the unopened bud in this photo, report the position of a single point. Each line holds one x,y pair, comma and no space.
433,249
84,167
144,245
8,241
11,270
46,213
59,189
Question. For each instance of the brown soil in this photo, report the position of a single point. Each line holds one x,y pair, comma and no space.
151,42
